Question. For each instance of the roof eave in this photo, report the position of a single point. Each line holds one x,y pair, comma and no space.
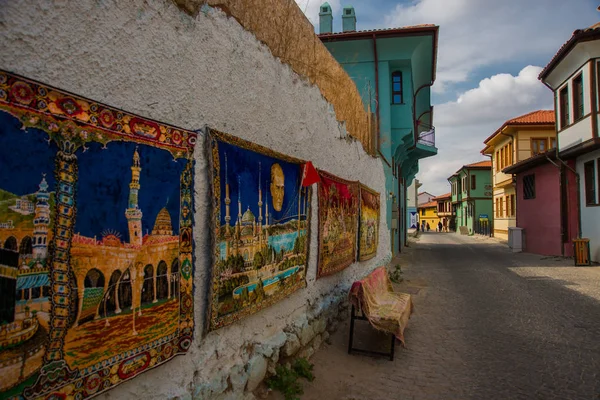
390,33
530,162
578,37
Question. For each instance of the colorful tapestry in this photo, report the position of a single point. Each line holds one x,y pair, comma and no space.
338,223
369,223
385,309
96,243
261,221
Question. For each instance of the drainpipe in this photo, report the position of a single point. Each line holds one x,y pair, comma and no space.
560,186
376,61
577,181
492,183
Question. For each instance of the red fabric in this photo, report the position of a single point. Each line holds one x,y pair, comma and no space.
309,174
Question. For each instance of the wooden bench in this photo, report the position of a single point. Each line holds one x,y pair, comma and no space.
375,300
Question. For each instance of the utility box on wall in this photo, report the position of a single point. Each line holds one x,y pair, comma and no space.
515,239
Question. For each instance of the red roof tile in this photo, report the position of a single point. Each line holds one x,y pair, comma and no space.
480,164
428,205
402,29
443,196
589,33
539,117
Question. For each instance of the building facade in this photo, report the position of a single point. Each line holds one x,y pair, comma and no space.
428,215
425,197
472,195
516,140
546,204
412,215
444,211
573,75
393,69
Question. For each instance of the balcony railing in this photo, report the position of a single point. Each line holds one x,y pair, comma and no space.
427,136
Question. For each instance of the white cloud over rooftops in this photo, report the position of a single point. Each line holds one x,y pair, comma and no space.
463,124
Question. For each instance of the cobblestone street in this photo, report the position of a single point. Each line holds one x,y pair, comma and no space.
488,324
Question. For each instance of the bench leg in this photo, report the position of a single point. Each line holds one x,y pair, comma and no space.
393,347
351,339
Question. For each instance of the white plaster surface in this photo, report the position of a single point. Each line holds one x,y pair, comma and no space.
150,58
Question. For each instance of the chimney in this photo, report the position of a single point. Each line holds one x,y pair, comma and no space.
348,19
325,19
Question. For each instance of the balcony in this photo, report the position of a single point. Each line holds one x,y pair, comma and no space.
426,134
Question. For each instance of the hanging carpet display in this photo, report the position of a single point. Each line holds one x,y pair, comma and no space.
96,243
369,223
260,223
338,223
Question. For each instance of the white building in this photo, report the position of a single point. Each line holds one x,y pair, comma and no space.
574,76
424,198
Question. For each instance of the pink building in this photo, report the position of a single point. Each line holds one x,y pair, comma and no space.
546,191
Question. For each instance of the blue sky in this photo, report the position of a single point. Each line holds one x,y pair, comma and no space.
489,56
244,164
103,180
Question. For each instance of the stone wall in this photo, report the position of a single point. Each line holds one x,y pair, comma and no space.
151,58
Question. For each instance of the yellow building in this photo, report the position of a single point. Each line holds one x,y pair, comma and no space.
428,214
516,140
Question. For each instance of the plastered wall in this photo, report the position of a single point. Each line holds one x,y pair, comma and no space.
151,58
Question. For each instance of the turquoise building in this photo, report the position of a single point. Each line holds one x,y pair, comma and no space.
394,70
472,195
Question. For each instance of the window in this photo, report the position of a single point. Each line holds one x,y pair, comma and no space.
512,205
538,145
529,187
422,211
578,98
553,143
590,183
507,199
597,189
348,11
464,184
564,107
473,182
397,88
498,161
501,206
324,9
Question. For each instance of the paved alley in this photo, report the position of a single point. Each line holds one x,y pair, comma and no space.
488,324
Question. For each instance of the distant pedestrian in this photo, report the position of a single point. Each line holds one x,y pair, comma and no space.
423,226
428,227
440,226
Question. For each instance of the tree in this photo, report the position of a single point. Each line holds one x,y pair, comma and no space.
259,261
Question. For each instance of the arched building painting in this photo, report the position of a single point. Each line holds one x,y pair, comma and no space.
95,243
261,253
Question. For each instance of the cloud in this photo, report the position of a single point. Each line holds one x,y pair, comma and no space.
476,33
462,125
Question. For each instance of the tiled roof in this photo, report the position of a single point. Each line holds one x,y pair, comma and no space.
402,29
443,196
539,117
591,33
428,205
480,164
524,165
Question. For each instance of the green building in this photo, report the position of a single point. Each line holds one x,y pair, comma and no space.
393,70
472,196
